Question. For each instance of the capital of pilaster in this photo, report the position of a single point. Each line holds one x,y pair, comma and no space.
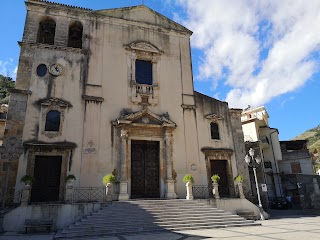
124,134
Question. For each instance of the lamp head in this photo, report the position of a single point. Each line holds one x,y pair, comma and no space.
247,159
251,152
258,159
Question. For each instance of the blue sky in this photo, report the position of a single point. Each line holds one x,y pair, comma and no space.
244,52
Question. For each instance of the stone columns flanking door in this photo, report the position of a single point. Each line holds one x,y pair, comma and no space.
170,189
123,195
146,126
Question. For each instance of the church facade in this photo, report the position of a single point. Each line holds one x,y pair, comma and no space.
111,91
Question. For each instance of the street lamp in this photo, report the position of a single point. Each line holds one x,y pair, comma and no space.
254,163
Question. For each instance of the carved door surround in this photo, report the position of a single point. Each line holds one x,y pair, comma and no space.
212,154
58,149
148,126
142,93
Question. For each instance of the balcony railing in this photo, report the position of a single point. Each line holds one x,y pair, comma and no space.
143,89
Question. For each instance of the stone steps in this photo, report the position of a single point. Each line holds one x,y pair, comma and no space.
149,216
247,214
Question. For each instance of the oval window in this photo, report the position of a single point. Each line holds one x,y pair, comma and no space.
42,70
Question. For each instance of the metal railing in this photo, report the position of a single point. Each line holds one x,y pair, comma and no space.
202,192
205,192
89,194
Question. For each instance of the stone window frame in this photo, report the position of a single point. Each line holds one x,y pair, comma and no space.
217,119
296,167
214,123
148,52
53,104
38,149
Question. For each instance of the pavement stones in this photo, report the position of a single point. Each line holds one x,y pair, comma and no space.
293,226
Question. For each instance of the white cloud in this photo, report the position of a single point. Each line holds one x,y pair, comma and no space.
8,68
260,49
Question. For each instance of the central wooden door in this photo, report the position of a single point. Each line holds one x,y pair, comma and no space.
220,167
47,172
145,169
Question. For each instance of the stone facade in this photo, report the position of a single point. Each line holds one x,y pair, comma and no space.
103,109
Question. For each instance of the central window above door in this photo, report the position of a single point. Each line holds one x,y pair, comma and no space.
143,71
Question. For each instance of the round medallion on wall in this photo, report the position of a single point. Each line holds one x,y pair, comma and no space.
55,69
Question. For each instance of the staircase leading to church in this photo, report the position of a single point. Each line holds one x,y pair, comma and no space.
152,215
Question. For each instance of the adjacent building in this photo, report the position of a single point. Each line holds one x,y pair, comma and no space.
265,141
3,117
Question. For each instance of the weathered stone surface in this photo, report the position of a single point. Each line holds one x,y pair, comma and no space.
93,86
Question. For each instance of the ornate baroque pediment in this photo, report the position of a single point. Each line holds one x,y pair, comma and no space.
217,153
143,46
144,117
54,101
213,117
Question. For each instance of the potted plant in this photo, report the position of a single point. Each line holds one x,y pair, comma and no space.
109,178
27,180
188,178
215,190
239,179
215,178
70,178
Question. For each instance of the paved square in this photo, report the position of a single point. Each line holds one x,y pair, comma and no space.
280,228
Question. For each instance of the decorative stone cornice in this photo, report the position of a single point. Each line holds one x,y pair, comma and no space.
57,4
213,117
20,91
217,152
54,101
37,145
191,107
52,47
143,46
144,118
92,98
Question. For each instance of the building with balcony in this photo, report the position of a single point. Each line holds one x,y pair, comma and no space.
265,141
297,172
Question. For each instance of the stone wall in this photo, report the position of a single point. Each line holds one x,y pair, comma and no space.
239,148
12,148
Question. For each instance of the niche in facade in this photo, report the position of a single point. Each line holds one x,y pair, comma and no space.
46,32
75,35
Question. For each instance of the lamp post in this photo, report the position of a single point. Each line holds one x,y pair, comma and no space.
254,163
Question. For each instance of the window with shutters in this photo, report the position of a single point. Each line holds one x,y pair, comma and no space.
295,168
143,59
214,127
52,121
143,72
